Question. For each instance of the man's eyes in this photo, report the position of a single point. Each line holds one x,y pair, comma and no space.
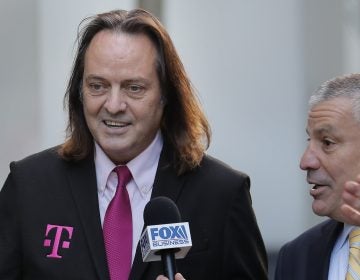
328,142
96,87
132,90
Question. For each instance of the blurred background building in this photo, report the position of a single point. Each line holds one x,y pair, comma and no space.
254,64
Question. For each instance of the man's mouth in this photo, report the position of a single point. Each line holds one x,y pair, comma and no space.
318,190
115,123
316,186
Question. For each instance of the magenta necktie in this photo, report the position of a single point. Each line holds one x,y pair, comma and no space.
118,229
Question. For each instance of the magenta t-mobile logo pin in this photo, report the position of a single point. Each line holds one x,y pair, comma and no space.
58,241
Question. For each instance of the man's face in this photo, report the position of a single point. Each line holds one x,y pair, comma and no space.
121,93
332,156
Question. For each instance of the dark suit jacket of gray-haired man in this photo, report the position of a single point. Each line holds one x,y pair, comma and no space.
331,159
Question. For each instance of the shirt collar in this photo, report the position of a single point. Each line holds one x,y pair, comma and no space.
103,167
143,167
343,237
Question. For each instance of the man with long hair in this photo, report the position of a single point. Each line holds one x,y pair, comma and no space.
133,111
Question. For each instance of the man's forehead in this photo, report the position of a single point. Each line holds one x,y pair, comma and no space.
339,103
333,110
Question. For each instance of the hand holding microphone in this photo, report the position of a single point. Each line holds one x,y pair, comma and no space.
178,276
165,236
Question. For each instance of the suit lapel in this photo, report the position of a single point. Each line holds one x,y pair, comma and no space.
331,232
168,184
82,182
320,254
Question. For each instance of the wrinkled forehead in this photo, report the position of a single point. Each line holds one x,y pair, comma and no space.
346,102
332,114
339,107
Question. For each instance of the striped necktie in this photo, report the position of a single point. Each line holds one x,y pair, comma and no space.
118,229
353,272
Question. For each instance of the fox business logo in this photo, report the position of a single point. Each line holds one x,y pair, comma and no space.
162,237
169,235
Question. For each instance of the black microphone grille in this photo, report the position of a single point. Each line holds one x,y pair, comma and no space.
161,210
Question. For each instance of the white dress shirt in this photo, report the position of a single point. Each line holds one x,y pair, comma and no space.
143,169
340,255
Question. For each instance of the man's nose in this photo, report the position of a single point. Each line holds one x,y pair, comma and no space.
116,101
309,159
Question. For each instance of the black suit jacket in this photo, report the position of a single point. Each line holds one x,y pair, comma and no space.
45,199
308,256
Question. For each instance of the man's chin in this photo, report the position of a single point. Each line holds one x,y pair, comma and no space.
117,154
320,208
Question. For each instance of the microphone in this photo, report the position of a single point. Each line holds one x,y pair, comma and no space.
165,237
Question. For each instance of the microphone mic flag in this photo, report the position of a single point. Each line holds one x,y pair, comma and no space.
165,236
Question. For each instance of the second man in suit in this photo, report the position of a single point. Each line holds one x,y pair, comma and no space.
331,159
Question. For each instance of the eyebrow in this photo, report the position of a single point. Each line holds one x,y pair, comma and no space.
94,77
127,81
137,80
324,130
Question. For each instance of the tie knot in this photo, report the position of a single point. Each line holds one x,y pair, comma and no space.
354,238
124,175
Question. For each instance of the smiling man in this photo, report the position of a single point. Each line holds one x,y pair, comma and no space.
331,159
136,131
